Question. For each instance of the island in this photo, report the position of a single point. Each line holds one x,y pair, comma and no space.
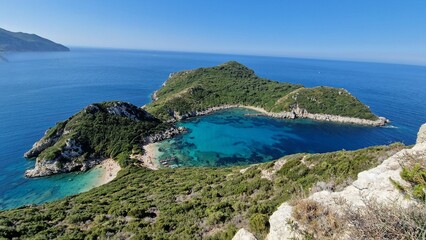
24,42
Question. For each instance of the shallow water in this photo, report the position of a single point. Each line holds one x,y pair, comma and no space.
39,89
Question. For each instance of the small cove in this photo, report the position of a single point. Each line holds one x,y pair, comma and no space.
236,137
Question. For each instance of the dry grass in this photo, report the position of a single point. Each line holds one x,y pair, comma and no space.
378,221
374,221
316,221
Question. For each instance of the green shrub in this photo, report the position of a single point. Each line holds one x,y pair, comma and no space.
414,172
259,223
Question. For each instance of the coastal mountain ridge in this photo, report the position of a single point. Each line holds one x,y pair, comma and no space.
24,42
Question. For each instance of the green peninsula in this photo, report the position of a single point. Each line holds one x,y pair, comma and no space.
202,90
99,131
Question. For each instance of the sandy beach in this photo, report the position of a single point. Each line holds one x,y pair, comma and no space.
149,159
110,170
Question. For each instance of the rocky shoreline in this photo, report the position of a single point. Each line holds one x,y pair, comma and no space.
294,114
72,151
50,167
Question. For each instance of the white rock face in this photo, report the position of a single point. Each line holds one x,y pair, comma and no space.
421,136
278,221
121,110
243,234
71,149
372,184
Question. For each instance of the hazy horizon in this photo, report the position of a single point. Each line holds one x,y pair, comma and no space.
389,32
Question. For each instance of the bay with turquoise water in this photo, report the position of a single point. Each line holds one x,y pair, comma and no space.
39,89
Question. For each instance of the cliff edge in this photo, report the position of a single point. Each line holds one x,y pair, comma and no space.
384,185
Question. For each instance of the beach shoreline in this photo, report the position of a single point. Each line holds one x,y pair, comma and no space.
110,169
150,157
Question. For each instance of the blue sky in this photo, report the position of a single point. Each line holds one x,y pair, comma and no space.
379,30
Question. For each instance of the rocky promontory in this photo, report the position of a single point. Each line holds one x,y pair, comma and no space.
99,131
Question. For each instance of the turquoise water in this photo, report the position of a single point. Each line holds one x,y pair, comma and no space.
39,89
233,137
42,190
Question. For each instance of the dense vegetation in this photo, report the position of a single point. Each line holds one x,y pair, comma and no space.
234,83
187,203
18,41
326,100
103,134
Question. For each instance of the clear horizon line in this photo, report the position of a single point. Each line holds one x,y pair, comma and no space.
362,60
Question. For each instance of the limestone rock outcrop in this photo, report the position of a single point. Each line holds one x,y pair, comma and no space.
243,234
421,135
374,184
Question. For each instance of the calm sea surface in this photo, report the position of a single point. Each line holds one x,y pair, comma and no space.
39,89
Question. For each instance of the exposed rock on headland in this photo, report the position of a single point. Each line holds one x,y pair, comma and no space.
94,134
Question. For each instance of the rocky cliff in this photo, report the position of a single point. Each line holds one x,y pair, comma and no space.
97,132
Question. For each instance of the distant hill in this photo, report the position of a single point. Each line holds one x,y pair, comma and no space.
24,42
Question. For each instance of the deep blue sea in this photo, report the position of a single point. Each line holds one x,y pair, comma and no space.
39,89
